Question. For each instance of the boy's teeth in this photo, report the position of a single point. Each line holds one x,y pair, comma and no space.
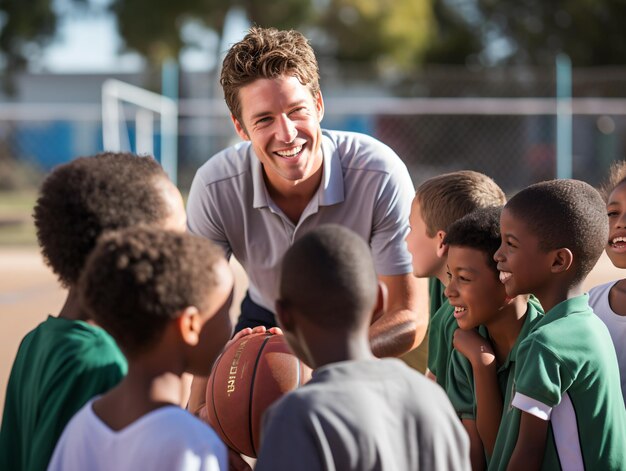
290,152
618,239
504,275
458,309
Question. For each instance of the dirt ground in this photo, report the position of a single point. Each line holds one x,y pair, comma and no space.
29,292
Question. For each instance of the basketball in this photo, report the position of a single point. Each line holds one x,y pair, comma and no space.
251,374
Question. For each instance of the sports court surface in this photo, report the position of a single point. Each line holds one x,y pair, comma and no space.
29,292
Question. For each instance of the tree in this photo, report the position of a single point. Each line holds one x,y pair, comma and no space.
153,27
25,28
533,32
394,33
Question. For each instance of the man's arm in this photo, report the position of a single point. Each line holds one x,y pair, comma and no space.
531,444
403,325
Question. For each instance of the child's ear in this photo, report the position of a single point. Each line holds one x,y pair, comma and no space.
562,260
381,301
284,316
189,325
442,249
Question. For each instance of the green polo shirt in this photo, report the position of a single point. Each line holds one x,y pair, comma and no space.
418,357
60,365
442,327
436,294
461,389
460,385
567,373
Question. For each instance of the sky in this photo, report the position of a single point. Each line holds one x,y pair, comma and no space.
89,43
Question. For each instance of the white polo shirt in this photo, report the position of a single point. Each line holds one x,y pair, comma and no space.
365,187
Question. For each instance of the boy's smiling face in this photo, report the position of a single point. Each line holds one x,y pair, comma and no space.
616,210
524,267
473,287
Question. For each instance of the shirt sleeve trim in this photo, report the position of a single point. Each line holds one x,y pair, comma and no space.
532,406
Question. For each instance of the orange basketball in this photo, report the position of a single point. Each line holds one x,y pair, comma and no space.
251,374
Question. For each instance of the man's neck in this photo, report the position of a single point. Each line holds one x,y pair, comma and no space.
293,197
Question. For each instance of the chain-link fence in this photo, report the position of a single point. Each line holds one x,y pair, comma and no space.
510,139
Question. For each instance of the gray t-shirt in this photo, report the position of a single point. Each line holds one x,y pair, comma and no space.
369,415
365,187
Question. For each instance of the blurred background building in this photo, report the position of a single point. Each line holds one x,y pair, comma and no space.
450,84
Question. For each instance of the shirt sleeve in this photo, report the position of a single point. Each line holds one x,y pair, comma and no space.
391,223
203,216
540,378
460,386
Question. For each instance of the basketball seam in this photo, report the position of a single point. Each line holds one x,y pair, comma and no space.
256,363
217,417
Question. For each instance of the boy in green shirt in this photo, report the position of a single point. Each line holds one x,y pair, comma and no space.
567,407
491,325
438,202
67,359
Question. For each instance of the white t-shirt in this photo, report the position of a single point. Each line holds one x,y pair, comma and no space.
166,439
599,302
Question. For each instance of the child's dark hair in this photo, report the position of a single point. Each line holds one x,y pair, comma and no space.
79,200
140,278
617,176
328,275
565,214
478,230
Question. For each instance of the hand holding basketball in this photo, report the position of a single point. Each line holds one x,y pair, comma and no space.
254,370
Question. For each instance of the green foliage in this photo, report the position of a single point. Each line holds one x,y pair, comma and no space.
454,39
26,25
591,32
391,32
153,27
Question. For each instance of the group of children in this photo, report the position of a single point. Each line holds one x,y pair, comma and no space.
530,369
529,374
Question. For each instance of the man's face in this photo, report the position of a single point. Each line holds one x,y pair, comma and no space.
423,248
524,267
616,210
281,119
473,287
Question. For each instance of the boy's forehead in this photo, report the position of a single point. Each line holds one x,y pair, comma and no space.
469,258
516,224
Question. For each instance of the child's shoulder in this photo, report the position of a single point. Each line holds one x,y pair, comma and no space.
72,341
568,332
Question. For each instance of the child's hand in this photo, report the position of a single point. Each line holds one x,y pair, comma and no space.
474,347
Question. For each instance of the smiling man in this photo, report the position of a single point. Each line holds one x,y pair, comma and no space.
288,176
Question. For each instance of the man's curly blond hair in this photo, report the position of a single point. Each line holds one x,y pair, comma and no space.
267,53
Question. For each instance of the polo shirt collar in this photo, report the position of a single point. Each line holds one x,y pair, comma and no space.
566,308
531,315
331,189
261,198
